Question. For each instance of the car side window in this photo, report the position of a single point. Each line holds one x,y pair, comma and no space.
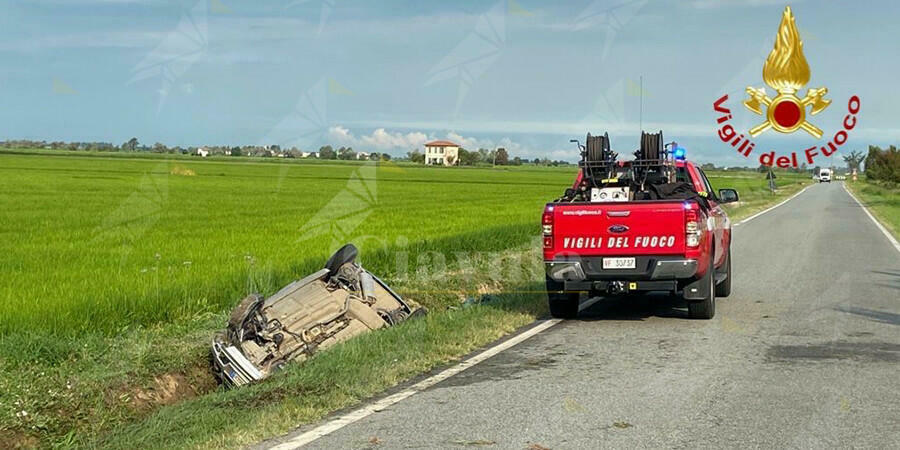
709,190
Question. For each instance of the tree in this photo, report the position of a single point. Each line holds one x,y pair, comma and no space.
346,153
854,159
517,161
467,158
883,165
708,166
501,158
235,151
451,160
160,148
416,157
326,152
129,145
486,155
536,161
385,157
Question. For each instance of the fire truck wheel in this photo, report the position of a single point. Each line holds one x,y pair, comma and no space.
563,305
705,308
723,289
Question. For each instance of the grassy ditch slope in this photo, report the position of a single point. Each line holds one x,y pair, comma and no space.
883,200
116,272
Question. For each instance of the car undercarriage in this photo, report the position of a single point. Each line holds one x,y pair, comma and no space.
338,302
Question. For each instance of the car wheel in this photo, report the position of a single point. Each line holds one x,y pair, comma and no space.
723,289
563,305
705,308
243,310
345,254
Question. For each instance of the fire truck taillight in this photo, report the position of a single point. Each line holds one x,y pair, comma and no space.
692,232
547,226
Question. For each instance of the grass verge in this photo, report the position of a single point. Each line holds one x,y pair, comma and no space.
754,191
882,200
339,378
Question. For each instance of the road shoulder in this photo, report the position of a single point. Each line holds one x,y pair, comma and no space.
886,227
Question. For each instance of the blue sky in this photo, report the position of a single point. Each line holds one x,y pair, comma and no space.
526,74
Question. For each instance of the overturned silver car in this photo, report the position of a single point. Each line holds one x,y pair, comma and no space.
338,302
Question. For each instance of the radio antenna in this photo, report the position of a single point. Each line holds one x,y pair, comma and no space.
641,115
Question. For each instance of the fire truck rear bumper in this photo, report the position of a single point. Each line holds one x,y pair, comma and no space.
650,273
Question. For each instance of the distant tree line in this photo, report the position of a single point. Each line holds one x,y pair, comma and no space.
499,156
133,145
762,168
57,145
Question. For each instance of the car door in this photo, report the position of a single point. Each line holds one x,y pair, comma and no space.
720,219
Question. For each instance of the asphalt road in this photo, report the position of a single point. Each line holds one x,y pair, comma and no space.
804,353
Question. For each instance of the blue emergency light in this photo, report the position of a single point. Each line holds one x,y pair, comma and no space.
679,152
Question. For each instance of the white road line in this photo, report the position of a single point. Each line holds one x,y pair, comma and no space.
773,207
877,223
342,421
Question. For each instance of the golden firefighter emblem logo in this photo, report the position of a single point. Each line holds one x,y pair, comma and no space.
786,71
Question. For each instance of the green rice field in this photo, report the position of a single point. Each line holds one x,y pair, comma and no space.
100,243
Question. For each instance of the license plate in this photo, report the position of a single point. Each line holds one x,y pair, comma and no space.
618,263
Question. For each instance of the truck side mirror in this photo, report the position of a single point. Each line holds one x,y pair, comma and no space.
728,196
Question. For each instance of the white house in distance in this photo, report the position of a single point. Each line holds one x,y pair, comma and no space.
441,153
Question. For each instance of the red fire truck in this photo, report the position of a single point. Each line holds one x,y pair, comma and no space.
653,223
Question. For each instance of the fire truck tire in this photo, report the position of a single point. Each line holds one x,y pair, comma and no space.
723,289
705,308
563,305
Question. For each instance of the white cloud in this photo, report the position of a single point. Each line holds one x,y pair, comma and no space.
467,143
380,139
575,128
386,141
340,134
472,143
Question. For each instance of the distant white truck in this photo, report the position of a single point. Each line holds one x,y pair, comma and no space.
824,176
